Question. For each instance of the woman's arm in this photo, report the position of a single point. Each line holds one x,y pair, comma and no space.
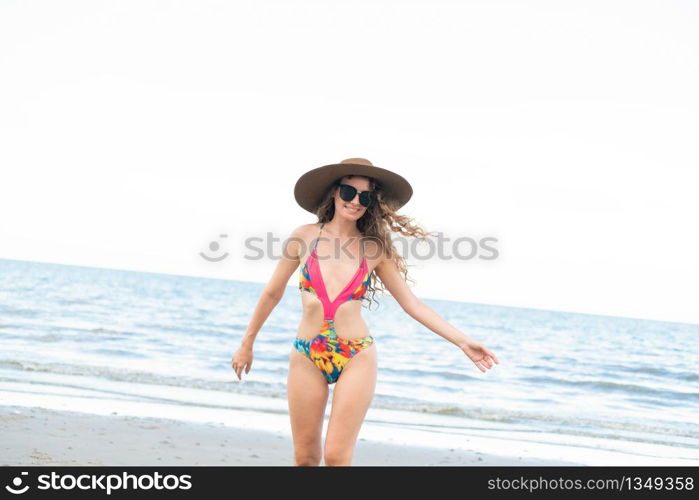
390,276
269,298
275,288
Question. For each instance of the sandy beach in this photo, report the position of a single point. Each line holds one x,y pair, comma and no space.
38,436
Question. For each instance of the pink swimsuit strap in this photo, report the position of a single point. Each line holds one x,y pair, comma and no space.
330,307
353,290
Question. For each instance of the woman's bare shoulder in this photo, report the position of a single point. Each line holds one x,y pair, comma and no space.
300,237
374,249
304,230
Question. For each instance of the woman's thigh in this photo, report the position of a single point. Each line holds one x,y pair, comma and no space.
352,396
307,398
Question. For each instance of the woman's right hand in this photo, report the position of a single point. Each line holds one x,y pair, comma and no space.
242,358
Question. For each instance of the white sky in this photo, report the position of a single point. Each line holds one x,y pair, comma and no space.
133,133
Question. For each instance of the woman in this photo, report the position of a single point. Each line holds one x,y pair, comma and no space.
356,204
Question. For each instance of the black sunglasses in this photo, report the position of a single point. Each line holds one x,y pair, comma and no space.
347,193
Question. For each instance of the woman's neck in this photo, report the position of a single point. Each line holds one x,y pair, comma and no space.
342,228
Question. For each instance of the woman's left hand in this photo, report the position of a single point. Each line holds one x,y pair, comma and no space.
481,356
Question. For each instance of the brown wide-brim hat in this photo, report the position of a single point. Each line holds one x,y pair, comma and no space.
312,186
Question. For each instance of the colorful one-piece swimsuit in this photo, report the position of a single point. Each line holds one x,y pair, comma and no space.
329,352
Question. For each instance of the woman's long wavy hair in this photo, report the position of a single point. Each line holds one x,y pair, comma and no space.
377,224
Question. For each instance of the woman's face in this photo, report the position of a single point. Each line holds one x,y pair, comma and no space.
352,210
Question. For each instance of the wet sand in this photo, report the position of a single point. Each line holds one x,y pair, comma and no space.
38,436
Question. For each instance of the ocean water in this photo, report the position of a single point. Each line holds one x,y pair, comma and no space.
584,388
